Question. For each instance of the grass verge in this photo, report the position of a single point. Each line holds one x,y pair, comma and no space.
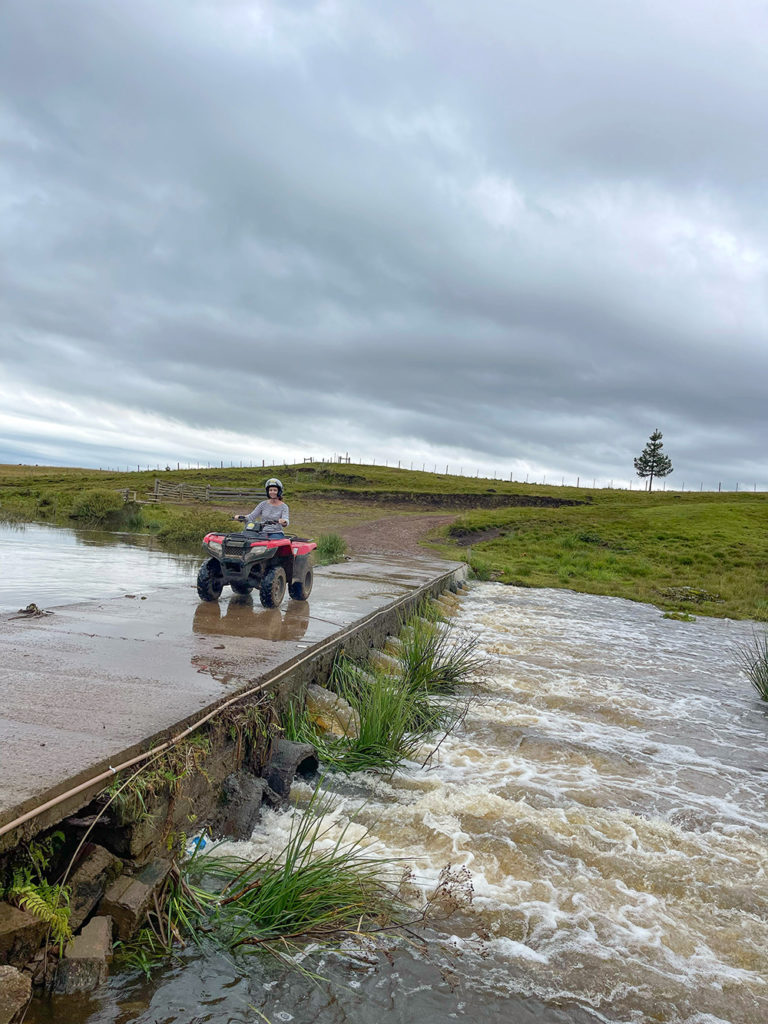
683,553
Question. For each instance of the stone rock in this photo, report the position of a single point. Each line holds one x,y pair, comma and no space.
385,662
271,798
240,810
290,759
15,993
133,840
394,646
155,873
446,603
84,965
332,714
20,935
89,881
126,901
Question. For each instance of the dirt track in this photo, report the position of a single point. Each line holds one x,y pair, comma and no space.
391,535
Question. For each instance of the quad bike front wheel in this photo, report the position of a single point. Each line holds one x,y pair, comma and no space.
301,589
209,581
272,588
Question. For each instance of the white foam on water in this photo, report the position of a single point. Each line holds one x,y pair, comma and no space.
607,795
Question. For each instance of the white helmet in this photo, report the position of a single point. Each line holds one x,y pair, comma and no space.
273,482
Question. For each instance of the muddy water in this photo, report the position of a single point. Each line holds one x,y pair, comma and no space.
52,566
607,795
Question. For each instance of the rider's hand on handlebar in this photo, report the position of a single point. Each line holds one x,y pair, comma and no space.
239,519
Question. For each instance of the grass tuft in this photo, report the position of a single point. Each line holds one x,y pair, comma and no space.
190,527
331,548
753,658
316,888
97,506
399,708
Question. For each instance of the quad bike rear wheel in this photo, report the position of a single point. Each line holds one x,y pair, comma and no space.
209,581
272,588
301,589
241,588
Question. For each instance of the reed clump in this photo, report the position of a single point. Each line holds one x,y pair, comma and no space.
97,505
753,658
414,698
331,548
320,887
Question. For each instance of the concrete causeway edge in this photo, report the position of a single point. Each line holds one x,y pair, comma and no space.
401,585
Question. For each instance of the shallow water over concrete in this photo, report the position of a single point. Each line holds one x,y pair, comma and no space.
53,566
608,796
89,686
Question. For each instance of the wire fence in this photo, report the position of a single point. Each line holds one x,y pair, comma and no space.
588,482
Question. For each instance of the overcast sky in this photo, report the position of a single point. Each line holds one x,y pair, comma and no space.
506,235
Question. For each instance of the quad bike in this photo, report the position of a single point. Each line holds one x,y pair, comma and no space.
249,559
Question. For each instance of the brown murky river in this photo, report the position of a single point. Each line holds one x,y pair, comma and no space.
607,794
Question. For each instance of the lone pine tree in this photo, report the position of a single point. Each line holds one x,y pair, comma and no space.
652,462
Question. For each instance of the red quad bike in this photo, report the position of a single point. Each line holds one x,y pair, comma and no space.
248,559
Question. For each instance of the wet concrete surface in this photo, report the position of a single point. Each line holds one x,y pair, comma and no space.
90,684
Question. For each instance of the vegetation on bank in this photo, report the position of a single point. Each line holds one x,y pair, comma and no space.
320,888
402,701
686,552
324,885
26,884
331,548
753,658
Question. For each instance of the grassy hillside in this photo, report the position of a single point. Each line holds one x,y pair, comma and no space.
692,552
700,553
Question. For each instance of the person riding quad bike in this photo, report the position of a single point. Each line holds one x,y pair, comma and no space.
259,556
273,513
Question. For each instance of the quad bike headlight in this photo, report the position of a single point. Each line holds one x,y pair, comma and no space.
214,541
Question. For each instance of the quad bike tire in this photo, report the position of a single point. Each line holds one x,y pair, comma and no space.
301,589
272,587
209,581
241,588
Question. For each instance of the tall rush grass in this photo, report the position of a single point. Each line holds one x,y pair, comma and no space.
331,548
753,658
400,709
317,888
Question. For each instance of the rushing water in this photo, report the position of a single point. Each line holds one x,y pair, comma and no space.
52,566
607,794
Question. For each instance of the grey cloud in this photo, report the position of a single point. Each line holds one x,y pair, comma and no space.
527,230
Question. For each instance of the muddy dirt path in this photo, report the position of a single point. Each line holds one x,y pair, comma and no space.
392,534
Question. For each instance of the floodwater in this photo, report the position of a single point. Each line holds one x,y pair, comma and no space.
51,566
608,796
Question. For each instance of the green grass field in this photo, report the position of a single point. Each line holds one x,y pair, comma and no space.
705,554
